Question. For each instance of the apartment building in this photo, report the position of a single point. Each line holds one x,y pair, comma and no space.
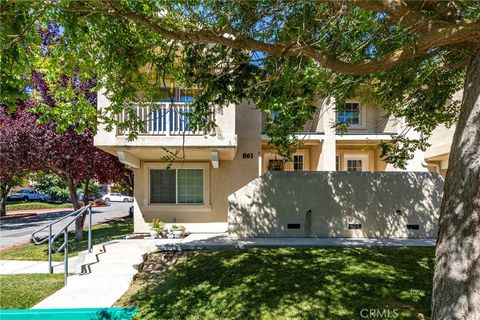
193,189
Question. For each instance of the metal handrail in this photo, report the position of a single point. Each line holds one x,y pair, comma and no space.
51,239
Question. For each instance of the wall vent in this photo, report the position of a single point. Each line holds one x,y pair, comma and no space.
354,226
413,227
293,226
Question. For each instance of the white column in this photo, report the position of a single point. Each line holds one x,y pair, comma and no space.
327,157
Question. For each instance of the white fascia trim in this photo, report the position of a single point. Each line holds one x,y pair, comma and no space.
301,136
365,137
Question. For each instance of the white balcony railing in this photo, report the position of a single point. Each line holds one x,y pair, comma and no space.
162,119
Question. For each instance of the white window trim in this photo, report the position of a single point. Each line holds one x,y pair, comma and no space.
303,161
178,206
364,157
362,116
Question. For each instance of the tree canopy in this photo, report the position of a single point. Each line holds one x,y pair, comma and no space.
406,56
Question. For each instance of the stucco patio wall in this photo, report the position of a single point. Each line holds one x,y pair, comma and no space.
337,204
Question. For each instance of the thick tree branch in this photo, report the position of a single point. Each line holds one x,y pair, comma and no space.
453,34
404,14
444,9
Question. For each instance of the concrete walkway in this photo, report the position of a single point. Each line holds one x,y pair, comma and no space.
106,273
20,267
222,241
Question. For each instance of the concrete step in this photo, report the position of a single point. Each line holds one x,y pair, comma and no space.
114,268
126,249
121,258
114,258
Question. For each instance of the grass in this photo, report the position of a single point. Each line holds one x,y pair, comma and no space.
327,283
36,205
112,230
23,291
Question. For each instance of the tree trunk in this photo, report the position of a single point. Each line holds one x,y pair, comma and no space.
456,283
81,220
76,205
73,191
4,189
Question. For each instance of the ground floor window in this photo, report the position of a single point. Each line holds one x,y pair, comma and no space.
177,186
298,162
354,165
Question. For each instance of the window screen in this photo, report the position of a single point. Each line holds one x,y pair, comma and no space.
190,185
162,186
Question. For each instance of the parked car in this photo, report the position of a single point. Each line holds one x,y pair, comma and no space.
116,197
91,196
28,195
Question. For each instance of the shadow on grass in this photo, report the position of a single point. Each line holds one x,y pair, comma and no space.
333,283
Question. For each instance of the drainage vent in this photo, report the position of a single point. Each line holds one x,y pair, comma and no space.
413,227
293,226
354,226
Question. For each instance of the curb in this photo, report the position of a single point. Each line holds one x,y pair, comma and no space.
32,214
18,216
14,246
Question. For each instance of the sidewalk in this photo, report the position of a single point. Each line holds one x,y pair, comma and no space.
19,266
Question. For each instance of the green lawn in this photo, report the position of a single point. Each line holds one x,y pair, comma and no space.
116,229
23,291
330,283
36,205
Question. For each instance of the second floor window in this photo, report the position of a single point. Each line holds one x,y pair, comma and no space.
350,114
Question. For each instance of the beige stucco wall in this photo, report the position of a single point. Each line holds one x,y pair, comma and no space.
219,183
440,142
374,120
265,206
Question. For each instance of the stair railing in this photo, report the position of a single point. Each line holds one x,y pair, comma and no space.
64,231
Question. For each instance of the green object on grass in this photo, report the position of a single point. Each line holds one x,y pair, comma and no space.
77,314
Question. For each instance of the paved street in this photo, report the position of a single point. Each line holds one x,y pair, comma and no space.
18,231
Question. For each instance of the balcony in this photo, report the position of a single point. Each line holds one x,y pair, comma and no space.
162,119
165,130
